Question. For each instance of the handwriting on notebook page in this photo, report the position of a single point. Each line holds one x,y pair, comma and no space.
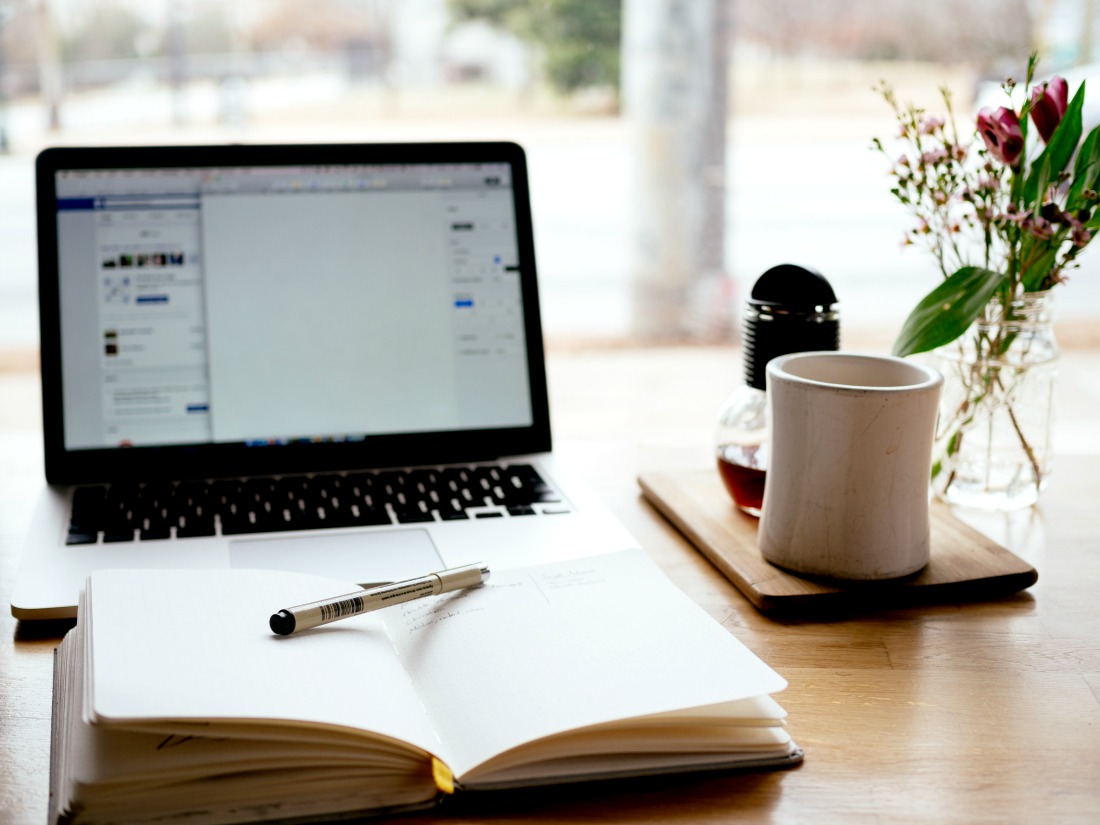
569,578
424,613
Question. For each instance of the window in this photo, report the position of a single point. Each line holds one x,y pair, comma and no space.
677,150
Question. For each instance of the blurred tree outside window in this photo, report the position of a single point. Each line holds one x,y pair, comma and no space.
578,41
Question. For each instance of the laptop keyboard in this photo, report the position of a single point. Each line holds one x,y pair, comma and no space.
161,511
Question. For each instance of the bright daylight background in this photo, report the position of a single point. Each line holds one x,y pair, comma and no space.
799,183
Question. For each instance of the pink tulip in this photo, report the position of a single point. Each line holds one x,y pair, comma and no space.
1048,105
1002,134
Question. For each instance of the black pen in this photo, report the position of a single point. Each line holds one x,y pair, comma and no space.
304,616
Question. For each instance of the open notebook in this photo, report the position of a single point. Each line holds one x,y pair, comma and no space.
175,701
320,358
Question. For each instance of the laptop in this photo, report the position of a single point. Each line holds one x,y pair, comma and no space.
321,358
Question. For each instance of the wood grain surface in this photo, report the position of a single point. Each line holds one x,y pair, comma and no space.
964,563
955,712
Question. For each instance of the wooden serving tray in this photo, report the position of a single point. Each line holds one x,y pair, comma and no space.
965,564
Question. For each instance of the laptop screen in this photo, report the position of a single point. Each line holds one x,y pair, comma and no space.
289,304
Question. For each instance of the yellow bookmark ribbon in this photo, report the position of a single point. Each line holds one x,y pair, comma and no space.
444,779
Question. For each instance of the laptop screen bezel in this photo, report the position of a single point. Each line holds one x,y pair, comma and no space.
64,466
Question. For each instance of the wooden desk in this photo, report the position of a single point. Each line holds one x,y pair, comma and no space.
956,713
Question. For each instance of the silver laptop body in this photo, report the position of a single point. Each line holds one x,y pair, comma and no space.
324,358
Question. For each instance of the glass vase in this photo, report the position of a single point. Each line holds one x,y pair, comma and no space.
993,439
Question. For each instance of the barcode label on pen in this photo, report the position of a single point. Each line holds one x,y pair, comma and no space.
348,607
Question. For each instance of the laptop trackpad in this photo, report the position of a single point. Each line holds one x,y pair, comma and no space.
375,557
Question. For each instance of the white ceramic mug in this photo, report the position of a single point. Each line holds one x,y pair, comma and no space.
847,489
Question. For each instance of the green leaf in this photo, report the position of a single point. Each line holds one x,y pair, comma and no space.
1037,183
1086,171
947,311
1058,152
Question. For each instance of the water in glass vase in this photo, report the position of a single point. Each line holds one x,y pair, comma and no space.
996,416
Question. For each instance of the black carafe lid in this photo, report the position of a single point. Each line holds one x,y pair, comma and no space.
792,309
